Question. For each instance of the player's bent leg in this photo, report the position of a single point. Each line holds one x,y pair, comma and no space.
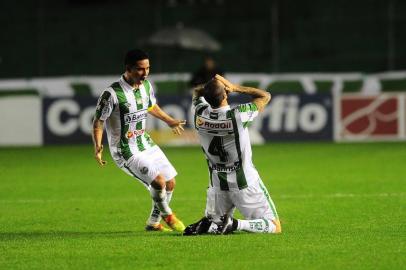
200,227
278,225
155,215
225,225
170,186
261,225
165,169
158,193
258,209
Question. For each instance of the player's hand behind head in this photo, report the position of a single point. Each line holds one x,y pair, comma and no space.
229,87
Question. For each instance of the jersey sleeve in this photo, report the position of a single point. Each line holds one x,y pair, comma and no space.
151,95
247,113
105,106
198,102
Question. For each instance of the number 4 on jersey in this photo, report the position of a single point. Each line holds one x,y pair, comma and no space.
216,148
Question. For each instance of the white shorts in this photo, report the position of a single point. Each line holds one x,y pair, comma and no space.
253,202
148,165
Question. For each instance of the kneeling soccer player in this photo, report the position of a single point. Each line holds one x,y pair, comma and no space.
234,181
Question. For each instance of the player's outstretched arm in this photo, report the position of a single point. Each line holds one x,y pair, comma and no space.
260,97
175,124
97,136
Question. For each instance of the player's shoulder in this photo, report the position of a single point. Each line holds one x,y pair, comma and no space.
147,86
109,93
245,107
147,83
114,86
200,105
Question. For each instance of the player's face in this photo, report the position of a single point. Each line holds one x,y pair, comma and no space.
140,71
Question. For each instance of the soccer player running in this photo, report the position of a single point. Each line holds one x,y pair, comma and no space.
123,107
234,181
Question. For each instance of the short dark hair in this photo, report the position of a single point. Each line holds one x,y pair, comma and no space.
133,56
214,93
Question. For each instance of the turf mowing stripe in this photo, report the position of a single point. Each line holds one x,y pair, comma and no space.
283,196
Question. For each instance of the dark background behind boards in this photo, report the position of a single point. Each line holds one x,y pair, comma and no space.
73,37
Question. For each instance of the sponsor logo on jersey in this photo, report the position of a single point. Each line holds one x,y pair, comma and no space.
218,125
135,117
144,170
223,168
199,121
129,134
136,133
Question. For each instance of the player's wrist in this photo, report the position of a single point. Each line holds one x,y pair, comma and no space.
237,88
171,122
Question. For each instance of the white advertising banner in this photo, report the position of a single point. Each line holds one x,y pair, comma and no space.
370,84
20,121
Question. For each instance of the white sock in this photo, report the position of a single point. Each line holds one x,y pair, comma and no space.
155,215
256,226
169,196
160,199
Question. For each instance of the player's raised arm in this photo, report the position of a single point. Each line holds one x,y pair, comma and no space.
97,136
260,97
197,92
175,124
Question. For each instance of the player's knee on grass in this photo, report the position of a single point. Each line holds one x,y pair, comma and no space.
261,225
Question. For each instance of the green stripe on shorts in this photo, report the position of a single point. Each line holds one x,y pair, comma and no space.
223,180
271,204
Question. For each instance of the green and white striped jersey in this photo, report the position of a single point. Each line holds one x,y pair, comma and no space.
124,110
225,141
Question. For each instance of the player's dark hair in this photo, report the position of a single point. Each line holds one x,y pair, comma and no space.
214,93
133,56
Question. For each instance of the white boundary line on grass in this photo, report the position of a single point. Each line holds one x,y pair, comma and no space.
342,195
296,196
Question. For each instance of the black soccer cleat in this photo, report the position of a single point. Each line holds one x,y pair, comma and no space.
200,227
228,225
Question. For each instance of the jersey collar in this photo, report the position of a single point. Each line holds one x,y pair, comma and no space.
126,86
221,109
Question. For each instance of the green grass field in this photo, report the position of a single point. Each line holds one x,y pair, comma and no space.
342,206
